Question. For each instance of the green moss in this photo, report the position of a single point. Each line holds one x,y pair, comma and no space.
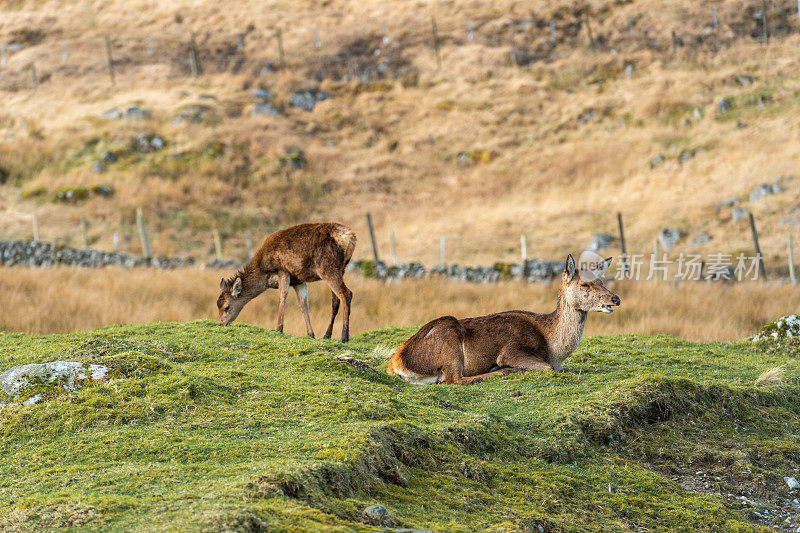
240,428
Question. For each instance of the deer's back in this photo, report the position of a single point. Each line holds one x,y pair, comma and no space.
300,249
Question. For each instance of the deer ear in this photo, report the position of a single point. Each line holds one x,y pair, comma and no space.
237,288
569,268
223,284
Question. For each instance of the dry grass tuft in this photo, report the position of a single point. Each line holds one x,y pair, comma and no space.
771,378
58,300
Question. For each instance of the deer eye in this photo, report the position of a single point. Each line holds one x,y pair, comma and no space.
227,308
585,285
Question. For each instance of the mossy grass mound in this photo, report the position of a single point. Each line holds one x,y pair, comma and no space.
245,429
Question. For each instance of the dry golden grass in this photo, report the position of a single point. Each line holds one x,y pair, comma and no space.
771,378
392,150
67,299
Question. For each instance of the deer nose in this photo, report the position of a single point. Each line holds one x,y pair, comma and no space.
615,300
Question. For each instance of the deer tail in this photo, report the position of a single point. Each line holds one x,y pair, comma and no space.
346,238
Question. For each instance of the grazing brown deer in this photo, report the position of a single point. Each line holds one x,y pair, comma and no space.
289,258
467,351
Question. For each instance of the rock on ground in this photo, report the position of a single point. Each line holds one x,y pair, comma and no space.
19,378
784,328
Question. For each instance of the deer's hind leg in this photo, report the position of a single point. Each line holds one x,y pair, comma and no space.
334,312
344,297
301,291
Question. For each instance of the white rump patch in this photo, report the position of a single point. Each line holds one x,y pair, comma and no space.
419,379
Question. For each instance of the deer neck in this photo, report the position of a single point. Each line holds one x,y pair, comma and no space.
567,332
254,281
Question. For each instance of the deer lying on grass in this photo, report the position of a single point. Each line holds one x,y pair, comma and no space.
290,258
469,350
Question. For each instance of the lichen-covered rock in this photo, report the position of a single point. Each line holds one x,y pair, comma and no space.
16,380
784,328
308,99
376,515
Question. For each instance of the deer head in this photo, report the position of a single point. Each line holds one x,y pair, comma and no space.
230,301
584,290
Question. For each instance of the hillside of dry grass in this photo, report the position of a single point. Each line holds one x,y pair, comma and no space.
480,149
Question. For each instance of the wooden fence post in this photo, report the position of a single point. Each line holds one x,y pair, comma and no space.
765,33
281,55
317,41
523,247
470,32
385,39
552,32
149,45
143,237
34,78
239,42
63,52
716,20
442,257
792,275
622,242
2,55
372,237
436,43
115,241
392,248
761,268
35,228
84,230
194,57
217,244
249,243
110,60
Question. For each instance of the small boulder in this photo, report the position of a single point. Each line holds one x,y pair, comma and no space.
792,482
657,160
765,190
137,113
784,328
724,106
111,114
738,213
262,94
148,142
17,379
629,70
307,99
599,242
98,167
108,157
265,108
193,113
669,237
376,515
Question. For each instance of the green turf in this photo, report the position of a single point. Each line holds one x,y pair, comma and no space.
245,429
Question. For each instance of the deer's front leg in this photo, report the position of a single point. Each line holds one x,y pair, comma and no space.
302,300
283,292
520,359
